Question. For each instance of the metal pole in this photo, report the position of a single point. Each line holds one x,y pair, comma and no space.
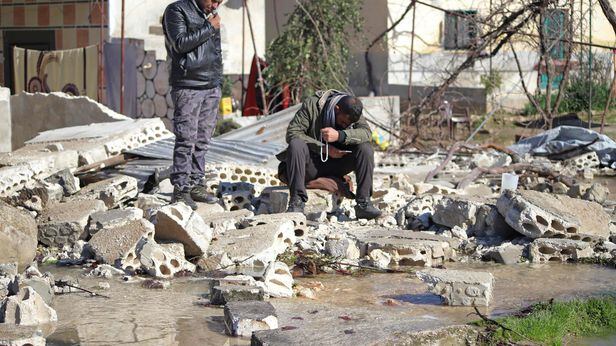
590,5
411,60
260,75
243,57
122,63
99,94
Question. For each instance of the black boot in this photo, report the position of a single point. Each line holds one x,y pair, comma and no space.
296,205
365,210
199,194
183,196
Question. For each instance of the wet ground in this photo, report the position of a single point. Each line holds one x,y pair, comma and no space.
351,309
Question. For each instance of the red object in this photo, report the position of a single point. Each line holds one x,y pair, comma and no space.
251,106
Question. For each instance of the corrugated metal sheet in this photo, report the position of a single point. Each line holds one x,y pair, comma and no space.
269,129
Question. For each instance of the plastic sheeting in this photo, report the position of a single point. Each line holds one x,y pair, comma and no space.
569,139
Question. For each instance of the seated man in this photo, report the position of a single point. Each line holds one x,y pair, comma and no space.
329,138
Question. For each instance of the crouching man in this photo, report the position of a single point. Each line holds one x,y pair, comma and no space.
328,137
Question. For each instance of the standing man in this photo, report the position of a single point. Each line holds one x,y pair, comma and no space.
192,39
328,137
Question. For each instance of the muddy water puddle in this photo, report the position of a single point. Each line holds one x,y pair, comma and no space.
140,316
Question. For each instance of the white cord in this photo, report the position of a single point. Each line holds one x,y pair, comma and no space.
326,146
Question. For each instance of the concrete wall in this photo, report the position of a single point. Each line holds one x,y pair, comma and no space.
5,120
34,113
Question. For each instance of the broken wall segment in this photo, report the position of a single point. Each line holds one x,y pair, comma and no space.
35,113
164,260
465,212
18,236
119,246
179,223
459,288
112,218
298,219
543,215
559,250
113,191
65,223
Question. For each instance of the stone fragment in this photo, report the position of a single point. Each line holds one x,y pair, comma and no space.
490,160
390,200
278,280
299,221
64,223
113,191
18,236
67,180
536,214
119,246
41,286
103,286
9,281
243,318
596,193
112,218
559,250
233,280
150,204
380,259
225,294
506,253
26,309
222,222
459,288
179,223
418,212
162,262
560,188
342,248
255,246
466,212
206,210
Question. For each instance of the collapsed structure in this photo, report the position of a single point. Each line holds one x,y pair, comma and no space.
97,195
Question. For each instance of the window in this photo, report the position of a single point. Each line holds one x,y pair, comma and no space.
460,30
555,29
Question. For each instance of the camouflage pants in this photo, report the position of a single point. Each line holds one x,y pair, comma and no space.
194,121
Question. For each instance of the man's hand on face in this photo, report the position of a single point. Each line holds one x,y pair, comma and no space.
215,21
330,135
336,153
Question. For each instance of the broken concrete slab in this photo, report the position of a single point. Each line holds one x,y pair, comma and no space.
163,261
459,288
409,249
179,223
418,212
118,246
581,162
26,309
506,253
255,246
67,180
222,222
224,294
559,250
243,318
278,280
41,286
18,236
299,221
112,218
342,247
389,201
536,214
113,191
65,223
379,259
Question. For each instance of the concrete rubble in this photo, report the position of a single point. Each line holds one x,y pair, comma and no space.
459,288
65,222
26,309
178,222
244,318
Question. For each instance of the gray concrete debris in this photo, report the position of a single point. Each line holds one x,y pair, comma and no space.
237,200
150,204
112,218
113,191
225,221
389,201
233,280
342,247
418,212
466,212
18,236
255,246
278,280
559,250
42,286
299,221
118,246
179,223
588,160
65,223
490,159
163,261
379,259
225,294
596,193
26,309
459,288
536,214
206,210
496,226
409,249
9,280
67,180
505,253
243,318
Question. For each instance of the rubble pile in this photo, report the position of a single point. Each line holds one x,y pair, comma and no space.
114,227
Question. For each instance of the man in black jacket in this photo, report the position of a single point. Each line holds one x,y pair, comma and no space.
192,39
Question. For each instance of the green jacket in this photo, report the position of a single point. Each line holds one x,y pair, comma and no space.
308,122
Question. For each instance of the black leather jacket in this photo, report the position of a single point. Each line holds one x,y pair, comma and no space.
193,45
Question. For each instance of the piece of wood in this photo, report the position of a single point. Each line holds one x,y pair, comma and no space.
170,113
169,100
140,56
150,91
160,106
148,109
97,166
161,81
140,84
149,66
